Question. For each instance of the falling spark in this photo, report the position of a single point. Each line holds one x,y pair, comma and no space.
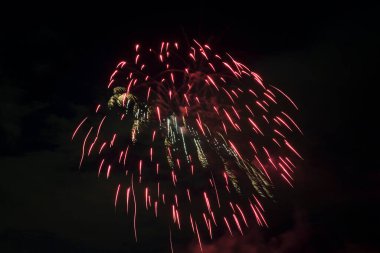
117,195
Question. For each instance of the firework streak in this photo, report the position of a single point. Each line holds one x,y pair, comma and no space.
192,137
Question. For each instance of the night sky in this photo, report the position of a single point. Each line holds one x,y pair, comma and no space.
54,62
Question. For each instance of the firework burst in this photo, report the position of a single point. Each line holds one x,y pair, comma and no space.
194,134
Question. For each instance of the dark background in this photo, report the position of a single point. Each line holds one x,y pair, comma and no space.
54,60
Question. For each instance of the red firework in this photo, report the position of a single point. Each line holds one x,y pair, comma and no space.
194,134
